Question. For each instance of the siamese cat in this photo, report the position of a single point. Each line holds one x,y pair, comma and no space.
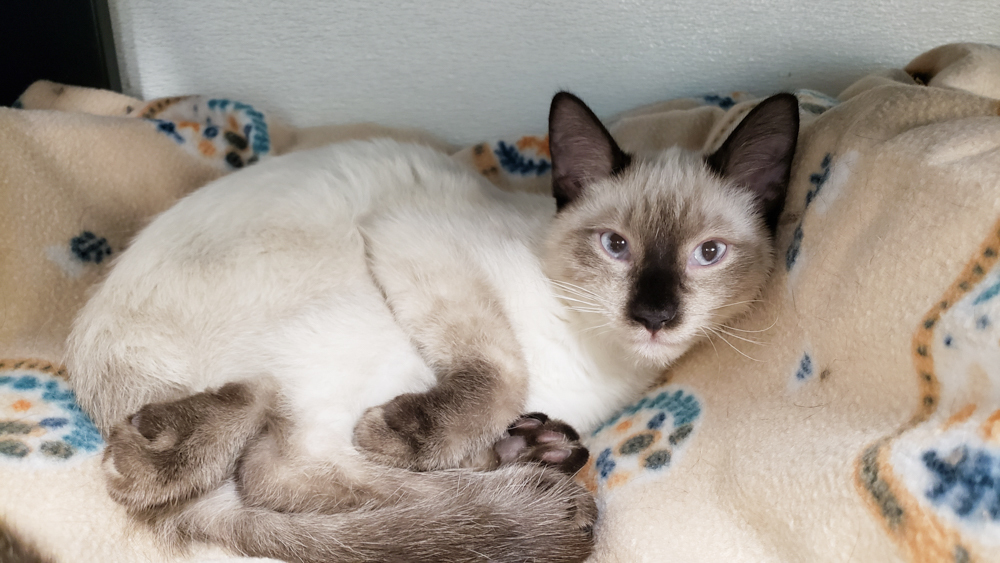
328,356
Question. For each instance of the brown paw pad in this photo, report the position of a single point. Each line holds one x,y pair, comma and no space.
534,437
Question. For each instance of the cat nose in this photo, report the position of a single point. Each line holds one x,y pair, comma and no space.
653,318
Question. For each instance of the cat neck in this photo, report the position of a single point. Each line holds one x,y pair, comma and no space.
582,376
612,358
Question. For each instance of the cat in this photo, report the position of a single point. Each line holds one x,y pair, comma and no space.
327,356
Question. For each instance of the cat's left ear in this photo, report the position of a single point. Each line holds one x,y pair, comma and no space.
582,149
757,156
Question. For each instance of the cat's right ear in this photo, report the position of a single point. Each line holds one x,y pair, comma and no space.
582,149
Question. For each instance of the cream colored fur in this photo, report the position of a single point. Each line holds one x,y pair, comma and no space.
279,257
352,274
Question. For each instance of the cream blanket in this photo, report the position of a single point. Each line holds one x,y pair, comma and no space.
854,416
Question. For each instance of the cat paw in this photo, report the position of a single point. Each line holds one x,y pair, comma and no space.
417,431
397,433
535,437
174,451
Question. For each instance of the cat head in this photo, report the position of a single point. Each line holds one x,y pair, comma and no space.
654,251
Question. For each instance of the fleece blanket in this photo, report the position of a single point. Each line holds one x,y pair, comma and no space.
81,171
855,415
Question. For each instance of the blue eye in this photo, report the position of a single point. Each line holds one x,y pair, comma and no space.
615,245
709,252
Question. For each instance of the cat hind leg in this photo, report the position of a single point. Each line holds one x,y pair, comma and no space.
172,451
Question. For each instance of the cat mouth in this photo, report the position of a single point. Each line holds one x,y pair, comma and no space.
662,336
659,342
657,350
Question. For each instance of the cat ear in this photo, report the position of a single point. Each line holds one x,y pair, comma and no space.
582,149
757,156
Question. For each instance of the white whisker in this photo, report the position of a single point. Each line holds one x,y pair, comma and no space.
585,309
596,327
744,339
603,332
709,337
582,291
736,303
575,300
769,327
740,352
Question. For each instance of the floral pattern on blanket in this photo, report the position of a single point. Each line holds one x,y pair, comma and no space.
642,439
231,134
40,422
936,483
525,163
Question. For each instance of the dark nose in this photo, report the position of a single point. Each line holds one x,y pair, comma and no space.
653,318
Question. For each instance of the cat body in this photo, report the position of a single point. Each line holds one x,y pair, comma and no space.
271,275
272,357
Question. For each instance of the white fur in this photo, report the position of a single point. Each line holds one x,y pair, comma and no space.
264,272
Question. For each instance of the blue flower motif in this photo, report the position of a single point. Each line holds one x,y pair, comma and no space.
168,128
792,254
967,481
683,406
987,294
805,368
25,383
89,247
657,421
724,102
604,464
55,437
53,422
514,162
56,394
817,179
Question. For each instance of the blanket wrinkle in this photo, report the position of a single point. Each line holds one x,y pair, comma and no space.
867,429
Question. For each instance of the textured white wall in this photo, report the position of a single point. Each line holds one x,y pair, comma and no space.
472,69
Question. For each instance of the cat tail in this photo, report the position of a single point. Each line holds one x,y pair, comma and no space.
521,512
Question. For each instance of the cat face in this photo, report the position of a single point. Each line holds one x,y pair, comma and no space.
654,251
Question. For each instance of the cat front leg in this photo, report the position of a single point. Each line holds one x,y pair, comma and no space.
534,437
455,318
451,425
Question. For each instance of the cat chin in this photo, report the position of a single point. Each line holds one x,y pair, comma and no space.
660,349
